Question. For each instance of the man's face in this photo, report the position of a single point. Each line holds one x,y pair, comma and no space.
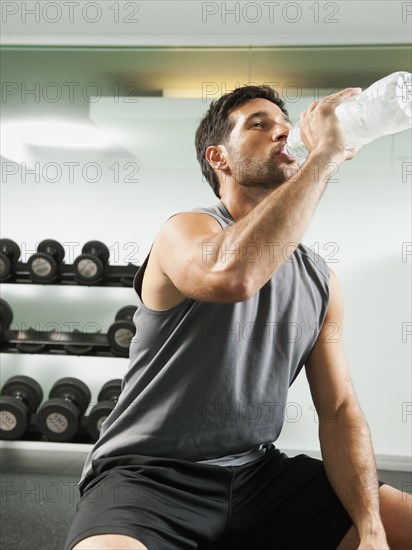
255,144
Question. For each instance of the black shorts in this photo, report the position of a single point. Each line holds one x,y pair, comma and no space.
167,504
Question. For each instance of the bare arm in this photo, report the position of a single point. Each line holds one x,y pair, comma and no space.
343,432
207,263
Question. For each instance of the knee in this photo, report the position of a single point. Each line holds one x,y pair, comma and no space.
110,542
396,514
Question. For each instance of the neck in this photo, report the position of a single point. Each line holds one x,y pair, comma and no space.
240,201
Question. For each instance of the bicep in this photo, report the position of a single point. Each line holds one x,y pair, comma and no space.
185,252
326,368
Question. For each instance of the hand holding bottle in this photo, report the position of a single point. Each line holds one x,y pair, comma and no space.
382,109
320,129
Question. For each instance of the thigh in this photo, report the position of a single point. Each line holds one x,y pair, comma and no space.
169,505
286,503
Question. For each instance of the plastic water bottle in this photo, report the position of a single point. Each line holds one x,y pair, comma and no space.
383,108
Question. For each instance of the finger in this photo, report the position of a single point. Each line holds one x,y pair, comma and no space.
312,106
309,109
351,153
341,96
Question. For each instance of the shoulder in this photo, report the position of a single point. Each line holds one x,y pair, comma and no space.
188,224
317,262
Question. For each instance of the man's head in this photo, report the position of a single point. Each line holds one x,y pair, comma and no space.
227,114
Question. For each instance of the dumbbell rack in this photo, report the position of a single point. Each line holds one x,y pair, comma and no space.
32,434
64,343
56,343
36,342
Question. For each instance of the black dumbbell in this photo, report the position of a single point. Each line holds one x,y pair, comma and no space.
78,349
107,399
20,396
30,347
89,266
30,344
59,418
6,315
44,266
9,255
121,332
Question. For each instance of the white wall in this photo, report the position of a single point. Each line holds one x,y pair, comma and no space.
360,225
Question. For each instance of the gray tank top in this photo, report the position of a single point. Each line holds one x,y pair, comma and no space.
208,380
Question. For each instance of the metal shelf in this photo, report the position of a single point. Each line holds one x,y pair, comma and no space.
33,435
116,276
36,342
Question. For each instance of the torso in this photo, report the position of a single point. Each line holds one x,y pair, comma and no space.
158,291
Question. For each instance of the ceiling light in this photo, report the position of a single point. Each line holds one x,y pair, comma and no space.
55,133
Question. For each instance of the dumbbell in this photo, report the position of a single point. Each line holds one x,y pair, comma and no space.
9,254
107,399
6,315
78,349
31,345
121,332
89,266
44,266
20,396
59,418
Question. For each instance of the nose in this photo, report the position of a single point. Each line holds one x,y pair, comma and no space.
280,133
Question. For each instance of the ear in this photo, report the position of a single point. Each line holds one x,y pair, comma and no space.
215,157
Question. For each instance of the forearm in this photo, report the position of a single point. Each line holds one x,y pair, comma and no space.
350,466
272,230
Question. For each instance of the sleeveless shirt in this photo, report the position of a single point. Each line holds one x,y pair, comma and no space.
206,379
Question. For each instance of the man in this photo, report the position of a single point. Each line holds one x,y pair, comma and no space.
186,459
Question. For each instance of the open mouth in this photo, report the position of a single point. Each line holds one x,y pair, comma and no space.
282,153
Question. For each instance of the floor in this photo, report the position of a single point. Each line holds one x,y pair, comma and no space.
39,496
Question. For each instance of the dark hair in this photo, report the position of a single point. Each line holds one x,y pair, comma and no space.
216,124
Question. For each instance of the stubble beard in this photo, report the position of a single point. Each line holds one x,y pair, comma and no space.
263,174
